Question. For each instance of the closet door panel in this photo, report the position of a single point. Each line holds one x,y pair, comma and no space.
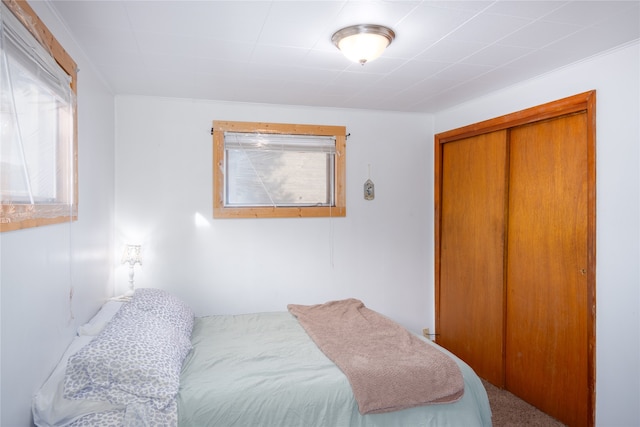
472,252
546,307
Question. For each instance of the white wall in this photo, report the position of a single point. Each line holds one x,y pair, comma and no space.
615,77
41,267
380,252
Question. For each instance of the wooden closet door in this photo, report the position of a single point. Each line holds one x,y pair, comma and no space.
470,302
546,334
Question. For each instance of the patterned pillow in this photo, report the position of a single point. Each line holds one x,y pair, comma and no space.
166,306
137,358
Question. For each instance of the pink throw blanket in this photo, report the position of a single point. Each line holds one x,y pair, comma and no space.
388,367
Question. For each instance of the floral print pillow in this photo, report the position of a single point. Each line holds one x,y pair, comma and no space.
135,360
166,306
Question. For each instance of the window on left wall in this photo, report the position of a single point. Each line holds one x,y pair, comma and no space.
38,137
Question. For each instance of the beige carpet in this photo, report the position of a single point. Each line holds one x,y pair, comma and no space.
509,410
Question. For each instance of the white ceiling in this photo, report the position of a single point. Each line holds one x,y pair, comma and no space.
280,52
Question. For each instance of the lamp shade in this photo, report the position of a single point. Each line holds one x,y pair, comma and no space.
132,255
363,43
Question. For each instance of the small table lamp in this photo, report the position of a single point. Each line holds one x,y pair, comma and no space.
132,255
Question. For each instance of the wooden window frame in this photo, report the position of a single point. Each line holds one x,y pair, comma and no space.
28,215
222,211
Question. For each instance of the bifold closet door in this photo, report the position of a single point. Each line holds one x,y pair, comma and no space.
471,292
546,308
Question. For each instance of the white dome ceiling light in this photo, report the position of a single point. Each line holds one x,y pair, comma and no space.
363,43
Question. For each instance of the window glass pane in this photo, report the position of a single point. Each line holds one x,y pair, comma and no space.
29,147
278,178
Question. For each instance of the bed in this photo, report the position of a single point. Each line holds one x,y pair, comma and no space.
151,362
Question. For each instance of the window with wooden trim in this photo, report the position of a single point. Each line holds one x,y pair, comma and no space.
38,142
275,170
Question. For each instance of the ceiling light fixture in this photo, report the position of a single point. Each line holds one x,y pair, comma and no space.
363,43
